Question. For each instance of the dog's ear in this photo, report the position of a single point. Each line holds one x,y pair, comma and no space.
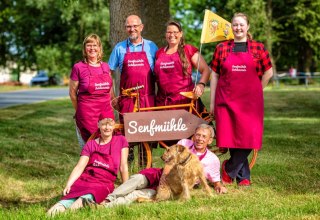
181,148
183,153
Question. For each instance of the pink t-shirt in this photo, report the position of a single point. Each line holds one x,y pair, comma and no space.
116,144
81,72
210,161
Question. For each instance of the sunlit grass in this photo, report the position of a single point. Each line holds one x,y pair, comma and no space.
39,149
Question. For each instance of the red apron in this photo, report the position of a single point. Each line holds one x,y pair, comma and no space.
95,103
153,175
136,71
239,103
97,179
171,80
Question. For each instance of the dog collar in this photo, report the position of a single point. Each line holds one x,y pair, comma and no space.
186,160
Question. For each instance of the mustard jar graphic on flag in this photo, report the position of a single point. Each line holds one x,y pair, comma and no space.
215,28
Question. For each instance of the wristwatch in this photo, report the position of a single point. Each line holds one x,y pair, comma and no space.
201,83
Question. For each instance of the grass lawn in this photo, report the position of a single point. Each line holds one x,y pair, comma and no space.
38,149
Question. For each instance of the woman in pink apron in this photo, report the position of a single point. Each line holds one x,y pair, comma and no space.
173,68
94,176
89,88
241,69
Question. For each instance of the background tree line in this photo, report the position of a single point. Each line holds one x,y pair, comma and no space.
48,34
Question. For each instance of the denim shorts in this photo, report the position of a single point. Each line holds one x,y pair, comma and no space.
68,202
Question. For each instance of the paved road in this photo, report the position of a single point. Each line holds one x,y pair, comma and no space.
30,96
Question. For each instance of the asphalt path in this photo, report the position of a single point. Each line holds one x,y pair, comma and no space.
22,97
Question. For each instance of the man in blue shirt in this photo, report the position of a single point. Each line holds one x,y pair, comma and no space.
135,58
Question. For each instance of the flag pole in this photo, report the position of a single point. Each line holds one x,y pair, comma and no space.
198,64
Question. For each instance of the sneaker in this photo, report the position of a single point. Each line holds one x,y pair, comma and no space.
226,179
244,182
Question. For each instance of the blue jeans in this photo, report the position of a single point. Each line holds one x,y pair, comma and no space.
80,140
238,166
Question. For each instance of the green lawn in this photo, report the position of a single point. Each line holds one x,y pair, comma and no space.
39,149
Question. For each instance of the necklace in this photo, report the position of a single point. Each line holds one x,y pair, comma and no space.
93,63
103,141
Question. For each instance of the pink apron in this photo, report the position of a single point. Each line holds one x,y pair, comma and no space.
136,71
153,175
97,179
95,103
171,80
239,103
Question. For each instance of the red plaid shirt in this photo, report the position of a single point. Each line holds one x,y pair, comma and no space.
259,53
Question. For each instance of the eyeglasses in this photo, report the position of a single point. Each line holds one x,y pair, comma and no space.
172,32
133,26
92,45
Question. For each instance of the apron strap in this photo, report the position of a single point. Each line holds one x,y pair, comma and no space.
128,48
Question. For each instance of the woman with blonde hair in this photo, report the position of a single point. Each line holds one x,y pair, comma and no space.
96,171
90,88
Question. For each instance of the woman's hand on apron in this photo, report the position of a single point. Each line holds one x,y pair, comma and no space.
66,190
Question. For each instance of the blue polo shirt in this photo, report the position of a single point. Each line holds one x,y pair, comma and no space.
118,52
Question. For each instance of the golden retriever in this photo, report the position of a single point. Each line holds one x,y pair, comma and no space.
186,171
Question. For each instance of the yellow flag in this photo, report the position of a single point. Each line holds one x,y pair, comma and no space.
215,28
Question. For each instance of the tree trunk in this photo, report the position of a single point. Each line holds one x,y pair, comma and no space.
269,40
154,15
119,11
305,56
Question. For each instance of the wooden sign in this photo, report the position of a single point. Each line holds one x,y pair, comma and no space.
160,125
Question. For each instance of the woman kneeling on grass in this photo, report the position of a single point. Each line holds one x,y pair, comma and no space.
96,171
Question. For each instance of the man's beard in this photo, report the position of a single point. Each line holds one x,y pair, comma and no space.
133,37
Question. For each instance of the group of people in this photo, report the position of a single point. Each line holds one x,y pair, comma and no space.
240,69
140,63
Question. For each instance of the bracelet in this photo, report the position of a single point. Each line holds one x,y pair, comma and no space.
201,83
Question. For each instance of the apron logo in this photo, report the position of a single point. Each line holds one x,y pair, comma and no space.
139,62
97,163
100,86
166,65
239,68
168,126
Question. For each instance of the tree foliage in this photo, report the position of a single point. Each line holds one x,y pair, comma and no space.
48,34
290,29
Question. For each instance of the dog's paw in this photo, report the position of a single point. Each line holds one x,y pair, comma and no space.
141,200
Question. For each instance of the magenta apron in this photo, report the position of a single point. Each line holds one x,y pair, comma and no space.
97,179
95,103
171,80
239,103
153,175
136,71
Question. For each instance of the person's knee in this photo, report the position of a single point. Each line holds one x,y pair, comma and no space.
137,176
141,180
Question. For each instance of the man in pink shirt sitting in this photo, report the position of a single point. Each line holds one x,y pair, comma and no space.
203,136
144,184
